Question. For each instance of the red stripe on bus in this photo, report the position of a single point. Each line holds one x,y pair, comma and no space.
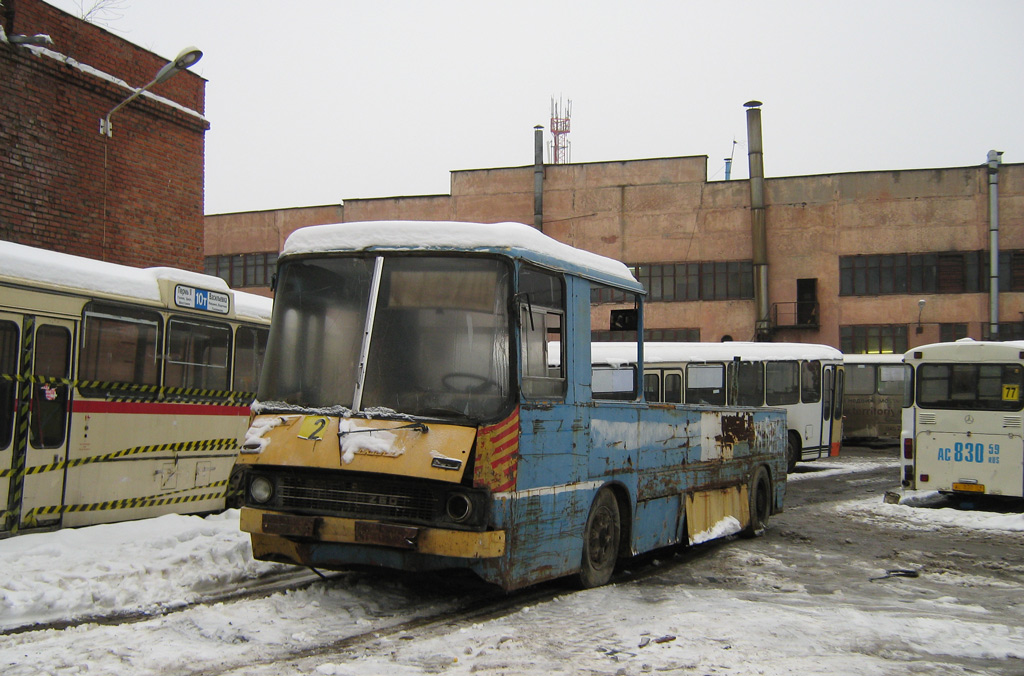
155,408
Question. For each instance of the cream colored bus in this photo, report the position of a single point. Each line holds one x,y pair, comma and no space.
124,392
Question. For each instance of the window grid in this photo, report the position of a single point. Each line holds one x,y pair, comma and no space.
945,272
242,270
873,339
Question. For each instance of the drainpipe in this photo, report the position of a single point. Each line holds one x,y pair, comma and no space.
538,177
757,220
993,244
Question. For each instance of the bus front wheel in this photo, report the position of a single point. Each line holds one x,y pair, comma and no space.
600,540
760,495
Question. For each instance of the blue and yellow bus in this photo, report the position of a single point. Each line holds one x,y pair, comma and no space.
410,414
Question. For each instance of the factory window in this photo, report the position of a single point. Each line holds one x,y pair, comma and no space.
945,272
709,280
873,338
241,270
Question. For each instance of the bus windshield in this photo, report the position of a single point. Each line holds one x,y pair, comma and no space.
438,343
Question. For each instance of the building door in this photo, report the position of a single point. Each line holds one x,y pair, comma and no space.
807,302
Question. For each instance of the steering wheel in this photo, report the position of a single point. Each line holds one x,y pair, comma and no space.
476,385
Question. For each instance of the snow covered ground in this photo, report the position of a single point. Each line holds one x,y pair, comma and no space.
773,627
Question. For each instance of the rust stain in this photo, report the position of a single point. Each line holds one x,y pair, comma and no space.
736,428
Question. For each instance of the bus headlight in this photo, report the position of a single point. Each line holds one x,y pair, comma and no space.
459,507
261,490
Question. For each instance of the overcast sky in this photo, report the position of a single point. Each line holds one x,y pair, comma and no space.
317,101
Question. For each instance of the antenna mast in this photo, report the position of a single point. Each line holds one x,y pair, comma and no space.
559,147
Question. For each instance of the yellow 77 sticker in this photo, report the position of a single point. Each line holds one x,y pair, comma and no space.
1011,392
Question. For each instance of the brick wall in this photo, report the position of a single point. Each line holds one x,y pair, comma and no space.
135,198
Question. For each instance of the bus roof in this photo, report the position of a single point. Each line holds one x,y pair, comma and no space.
509,239
29,265
970,350
663,352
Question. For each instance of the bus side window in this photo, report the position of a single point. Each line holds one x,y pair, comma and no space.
652,386
197,355
119,345
747,380
783,383
810,381
250,347
705,384
541,327
674,388
8,367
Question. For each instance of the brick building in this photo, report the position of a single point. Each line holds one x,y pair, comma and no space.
849,256
135,197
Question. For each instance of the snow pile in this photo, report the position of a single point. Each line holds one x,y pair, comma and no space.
135,566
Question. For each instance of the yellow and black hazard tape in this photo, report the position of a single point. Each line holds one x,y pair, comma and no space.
223,444
131,391
173,498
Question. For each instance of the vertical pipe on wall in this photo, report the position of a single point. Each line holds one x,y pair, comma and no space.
538,177
993,244
757,218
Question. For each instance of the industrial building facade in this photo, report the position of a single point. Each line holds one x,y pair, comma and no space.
134,196
875,261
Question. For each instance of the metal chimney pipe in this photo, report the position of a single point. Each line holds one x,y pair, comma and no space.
993,244
757,217
538,177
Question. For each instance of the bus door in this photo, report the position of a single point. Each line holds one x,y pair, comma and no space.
831,409
10,341
41,423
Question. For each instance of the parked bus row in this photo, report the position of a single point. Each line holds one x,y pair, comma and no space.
124,392
413,414
805,380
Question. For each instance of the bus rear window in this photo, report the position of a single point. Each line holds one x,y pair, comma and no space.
977,387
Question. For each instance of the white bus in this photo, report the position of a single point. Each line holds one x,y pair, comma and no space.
874,397
963,432
804,379
124,392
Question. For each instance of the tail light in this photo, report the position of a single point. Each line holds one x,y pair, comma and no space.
908,449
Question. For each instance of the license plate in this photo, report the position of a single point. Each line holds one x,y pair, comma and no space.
969,488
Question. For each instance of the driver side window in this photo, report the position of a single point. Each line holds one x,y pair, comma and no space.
541,300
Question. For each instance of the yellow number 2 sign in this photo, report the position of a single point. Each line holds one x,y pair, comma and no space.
1011,392
313,427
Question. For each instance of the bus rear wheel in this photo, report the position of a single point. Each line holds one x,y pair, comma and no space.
792,451
760,497
600,541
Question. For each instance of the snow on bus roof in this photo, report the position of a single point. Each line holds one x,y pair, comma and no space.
60,270
873,358
515,239
253,305
665,352
976,349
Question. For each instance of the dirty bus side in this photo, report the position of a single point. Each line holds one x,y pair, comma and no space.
963,432
408,416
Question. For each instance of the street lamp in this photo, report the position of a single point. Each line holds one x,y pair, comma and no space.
184,60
